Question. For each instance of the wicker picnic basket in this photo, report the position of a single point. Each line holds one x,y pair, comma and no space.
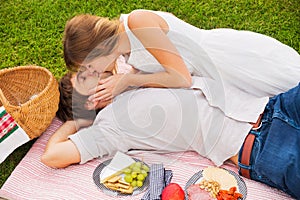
30,95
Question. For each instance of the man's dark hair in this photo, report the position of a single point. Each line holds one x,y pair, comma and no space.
71,103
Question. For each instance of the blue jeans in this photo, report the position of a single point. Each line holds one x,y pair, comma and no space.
275,157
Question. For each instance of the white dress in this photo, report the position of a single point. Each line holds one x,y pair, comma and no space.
229,62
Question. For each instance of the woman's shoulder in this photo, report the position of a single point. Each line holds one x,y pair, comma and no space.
145,18
140,15
142,11
145,12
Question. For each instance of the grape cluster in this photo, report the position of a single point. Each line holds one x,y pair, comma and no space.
136,173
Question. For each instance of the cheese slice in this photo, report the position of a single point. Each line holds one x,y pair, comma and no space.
223,177
119,162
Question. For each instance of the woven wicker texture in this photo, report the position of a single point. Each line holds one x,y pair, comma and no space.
30,95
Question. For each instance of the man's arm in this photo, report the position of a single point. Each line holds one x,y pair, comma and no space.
60,151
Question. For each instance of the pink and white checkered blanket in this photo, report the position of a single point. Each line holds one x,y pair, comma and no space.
32,180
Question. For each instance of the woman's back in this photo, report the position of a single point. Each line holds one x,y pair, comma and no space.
244,64
249,60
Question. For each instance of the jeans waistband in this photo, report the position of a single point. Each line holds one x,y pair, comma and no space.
246,150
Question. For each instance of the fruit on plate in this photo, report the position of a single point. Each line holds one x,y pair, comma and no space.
128,178
123,174
136,174
173,191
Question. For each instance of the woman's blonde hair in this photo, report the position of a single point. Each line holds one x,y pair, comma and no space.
87,37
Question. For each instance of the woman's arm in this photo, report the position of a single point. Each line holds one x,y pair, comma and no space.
151,30
60,151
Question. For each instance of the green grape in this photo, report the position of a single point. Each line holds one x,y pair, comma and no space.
132,166
134,183
128,178
139,183
140,177
146,168
138,164
134,174
136,169
127,171
144,173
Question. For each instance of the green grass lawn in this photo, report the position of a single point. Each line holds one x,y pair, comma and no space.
31,30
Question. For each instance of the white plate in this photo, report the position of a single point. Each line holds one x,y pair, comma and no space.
96,178
198,176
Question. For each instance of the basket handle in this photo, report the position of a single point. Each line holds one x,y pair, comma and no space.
3,100
6,103
11,109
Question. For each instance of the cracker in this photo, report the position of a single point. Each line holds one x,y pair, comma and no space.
114,179
120,185
126,191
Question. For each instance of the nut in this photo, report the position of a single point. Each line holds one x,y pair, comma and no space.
213,187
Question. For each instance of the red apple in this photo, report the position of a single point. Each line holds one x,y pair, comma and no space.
172,192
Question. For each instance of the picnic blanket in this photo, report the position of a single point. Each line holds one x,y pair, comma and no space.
32,180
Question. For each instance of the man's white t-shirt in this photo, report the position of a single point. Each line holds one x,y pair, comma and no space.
163,120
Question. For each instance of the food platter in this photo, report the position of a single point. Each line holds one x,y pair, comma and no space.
197,177
114,193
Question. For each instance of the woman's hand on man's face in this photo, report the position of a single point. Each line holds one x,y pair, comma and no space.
108,88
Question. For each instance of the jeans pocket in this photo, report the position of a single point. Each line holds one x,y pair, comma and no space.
277,162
